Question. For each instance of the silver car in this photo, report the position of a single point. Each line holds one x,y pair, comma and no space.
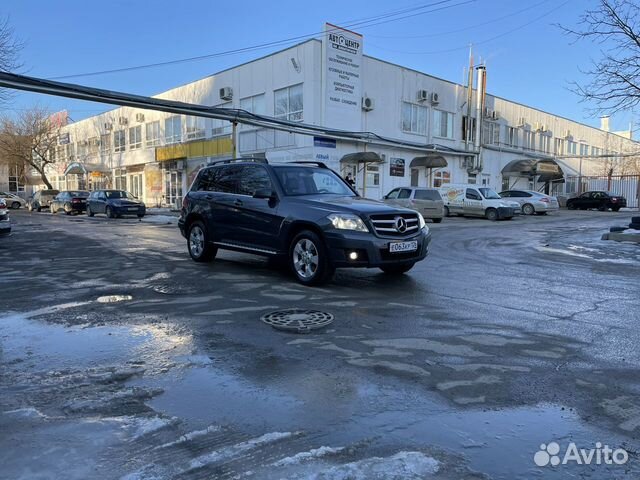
532,202
13,200
5,222
427,201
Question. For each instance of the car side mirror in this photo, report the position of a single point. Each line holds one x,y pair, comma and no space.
264,193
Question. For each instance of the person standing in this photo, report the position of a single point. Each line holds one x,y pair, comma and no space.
349,179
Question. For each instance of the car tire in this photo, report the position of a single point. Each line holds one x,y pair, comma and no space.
109,212
89,212
602,208
527,209
304,247
68,212
198,245
446,211
491,214
437,220
15,205
397,269
571,206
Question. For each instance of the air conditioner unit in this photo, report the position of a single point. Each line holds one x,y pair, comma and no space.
139,117
367,104
495,115
435,98
108,126
226,93
522,122
567,133
422,96
123,121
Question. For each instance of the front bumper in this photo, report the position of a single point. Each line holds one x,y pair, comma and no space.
372,251
129,210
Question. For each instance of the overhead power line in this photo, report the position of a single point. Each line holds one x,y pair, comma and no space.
362,23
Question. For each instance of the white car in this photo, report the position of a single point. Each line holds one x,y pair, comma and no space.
5,223
532,202
13,200
476,201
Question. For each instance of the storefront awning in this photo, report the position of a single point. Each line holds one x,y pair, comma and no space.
75,168
362,157
428,161
529,167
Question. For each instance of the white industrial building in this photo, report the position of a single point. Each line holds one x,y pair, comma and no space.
419,122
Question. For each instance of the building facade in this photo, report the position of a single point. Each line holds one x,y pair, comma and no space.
419,121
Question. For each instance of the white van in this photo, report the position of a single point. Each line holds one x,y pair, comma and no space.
476,201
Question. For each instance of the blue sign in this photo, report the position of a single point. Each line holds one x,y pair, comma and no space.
324,142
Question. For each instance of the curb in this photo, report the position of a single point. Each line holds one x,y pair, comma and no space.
622,237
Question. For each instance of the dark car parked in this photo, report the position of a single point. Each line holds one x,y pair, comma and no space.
41,199
114,203
303,212
597,199
72,201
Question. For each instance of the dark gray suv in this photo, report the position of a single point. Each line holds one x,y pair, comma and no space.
302,212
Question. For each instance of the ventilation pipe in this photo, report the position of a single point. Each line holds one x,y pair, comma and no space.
480,93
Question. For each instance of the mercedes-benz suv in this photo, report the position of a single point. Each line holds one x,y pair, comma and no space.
302,212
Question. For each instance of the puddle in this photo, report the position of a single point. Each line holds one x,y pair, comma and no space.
114,298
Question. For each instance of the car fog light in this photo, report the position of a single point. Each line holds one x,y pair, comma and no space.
353,256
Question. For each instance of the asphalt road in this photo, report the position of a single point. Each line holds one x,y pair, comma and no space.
122,358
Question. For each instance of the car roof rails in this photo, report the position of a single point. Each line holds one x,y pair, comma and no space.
240,159
308,162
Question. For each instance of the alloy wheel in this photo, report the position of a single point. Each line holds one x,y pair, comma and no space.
305,258
196,241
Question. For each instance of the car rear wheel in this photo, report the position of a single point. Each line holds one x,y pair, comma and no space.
603,208
398,268
491,214
89,212
109,212
200,249
528,209
15,205
616,209
309,259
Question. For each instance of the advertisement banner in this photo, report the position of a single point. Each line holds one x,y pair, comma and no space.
342,55
396,167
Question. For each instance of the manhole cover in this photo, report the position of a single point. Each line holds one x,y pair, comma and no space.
297,320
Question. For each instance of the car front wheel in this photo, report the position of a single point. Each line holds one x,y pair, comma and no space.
309,259
492,214
109,212
15,205
200,249
528,209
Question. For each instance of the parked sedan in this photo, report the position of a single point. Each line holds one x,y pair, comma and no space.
73,201
41,199
13,200
427,201
5,223
532,202
114,203
597,199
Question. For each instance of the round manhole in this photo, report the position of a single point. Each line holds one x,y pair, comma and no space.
297,320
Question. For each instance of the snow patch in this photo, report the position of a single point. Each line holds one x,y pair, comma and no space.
162,219
26,412
187,437
304,456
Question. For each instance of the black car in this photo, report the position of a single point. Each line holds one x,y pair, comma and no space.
41,199
72,201
597,199
114,203
303,212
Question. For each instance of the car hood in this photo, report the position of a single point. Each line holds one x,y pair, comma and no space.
339,203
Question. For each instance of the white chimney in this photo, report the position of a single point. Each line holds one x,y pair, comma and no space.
604,123
480,93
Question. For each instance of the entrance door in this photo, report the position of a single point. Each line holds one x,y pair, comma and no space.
135,185
173,187
415,177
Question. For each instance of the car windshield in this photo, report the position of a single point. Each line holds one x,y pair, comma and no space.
489,194
311,181
112,194
80,194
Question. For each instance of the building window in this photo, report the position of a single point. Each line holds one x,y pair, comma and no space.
119,141
70,151
288,103
584,149
120,178
571,147
83,148
442,124
373,175
195,128
15,185
471,135
528,139
255,104
544,143
94,144
440,178
596,151
173,130
414,118
512,137
221,127
559,146
491,133
152,131
257,140
135,137
105,144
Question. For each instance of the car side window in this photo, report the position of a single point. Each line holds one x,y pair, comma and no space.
586,195
203,181
505,194
225,179
404,193
393,194
253,178
472,194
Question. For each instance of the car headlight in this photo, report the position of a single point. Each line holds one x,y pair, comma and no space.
347,221
421,222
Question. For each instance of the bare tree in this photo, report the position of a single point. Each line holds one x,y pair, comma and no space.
10,48
30,140
614,78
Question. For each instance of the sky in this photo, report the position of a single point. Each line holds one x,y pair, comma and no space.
529,59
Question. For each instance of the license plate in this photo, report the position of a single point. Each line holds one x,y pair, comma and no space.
133,209
396,247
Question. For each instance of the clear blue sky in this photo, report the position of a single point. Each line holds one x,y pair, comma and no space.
532,65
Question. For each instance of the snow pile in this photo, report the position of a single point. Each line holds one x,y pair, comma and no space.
631,231
401,466
304,456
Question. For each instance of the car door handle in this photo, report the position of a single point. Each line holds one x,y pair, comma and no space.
237,202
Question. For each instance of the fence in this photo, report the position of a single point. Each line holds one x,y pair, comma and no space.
627,186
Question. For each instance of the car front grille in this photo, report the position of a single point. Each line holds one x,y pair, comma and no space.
385,224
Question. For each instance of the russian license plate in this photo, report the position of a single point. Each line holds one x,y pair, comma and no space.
133,209
396,247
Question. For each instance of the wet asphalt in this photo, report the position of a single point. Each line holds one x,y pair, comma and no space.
122,358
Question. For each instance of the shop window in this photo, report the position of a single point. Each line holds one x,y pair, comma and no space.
120,179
